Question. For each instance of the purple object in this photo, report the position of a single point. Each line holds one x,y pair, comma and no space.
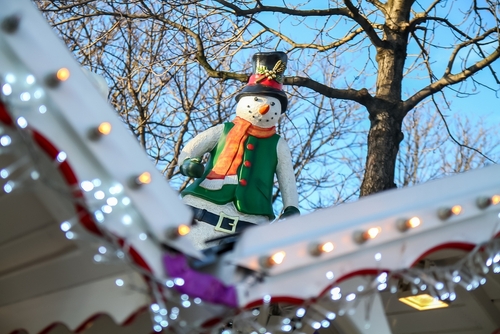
196,284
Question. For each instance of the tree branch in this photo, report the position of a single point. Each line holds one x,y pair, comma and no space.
361,96
453,137
420,19
319,47
449,79
365,24
432,6
66,7
467,43
262,8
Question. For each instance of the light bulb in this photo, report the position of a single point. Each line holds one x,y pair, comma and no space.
406,224
104,128
456,209
483,202
99,216
112,201
10,78
327,247
99,195
179,231
8,187
5,140
30,79
183,229
22,122
495,199
61,157
116,189
87,186
99,131
277,258
336,294
362,236
317,249
270,261
65,226
63,74
7,89
25,96
445,213
54,79
144,178
137,181
373,232
106,209
126,220
300,312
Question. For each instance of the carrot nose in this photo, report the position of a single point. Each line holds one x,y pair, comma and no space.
264,109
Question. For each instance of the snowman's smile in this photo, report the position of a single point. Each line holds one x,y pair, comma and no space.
260,115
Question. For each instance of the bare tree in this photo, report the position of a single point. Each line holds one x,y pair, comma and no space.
430,150
380,57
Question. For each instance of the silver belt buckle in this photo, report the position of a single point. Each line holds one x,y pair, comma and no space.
219,227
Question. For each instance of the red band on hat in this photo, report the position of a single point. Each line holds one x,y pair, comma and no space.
265,82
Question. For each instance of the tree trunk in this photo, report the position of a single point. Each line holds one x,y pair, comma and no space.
383,145
386,112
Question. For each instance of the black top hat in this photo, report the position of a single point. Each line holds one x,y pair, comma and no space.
267,77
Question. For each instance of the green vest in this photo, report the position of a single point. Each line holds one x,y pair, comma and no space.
253,194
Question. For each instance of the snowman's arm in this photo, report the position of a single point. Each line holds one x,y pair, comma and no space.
286,176
204,142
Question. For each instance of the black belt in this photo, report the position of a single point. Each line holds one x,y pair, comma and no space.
222,222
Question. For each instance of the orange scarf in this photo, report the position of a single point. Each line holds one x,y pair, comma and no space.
232,154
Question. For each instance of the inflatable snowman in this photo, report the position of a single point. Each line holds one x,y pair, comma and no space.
234,190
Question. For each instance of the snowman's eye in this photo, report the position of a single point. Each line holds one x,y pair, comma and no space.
256,98
272,103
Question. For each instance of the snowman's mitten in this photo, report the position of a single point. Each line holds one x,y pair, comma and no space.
290,211
192,167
